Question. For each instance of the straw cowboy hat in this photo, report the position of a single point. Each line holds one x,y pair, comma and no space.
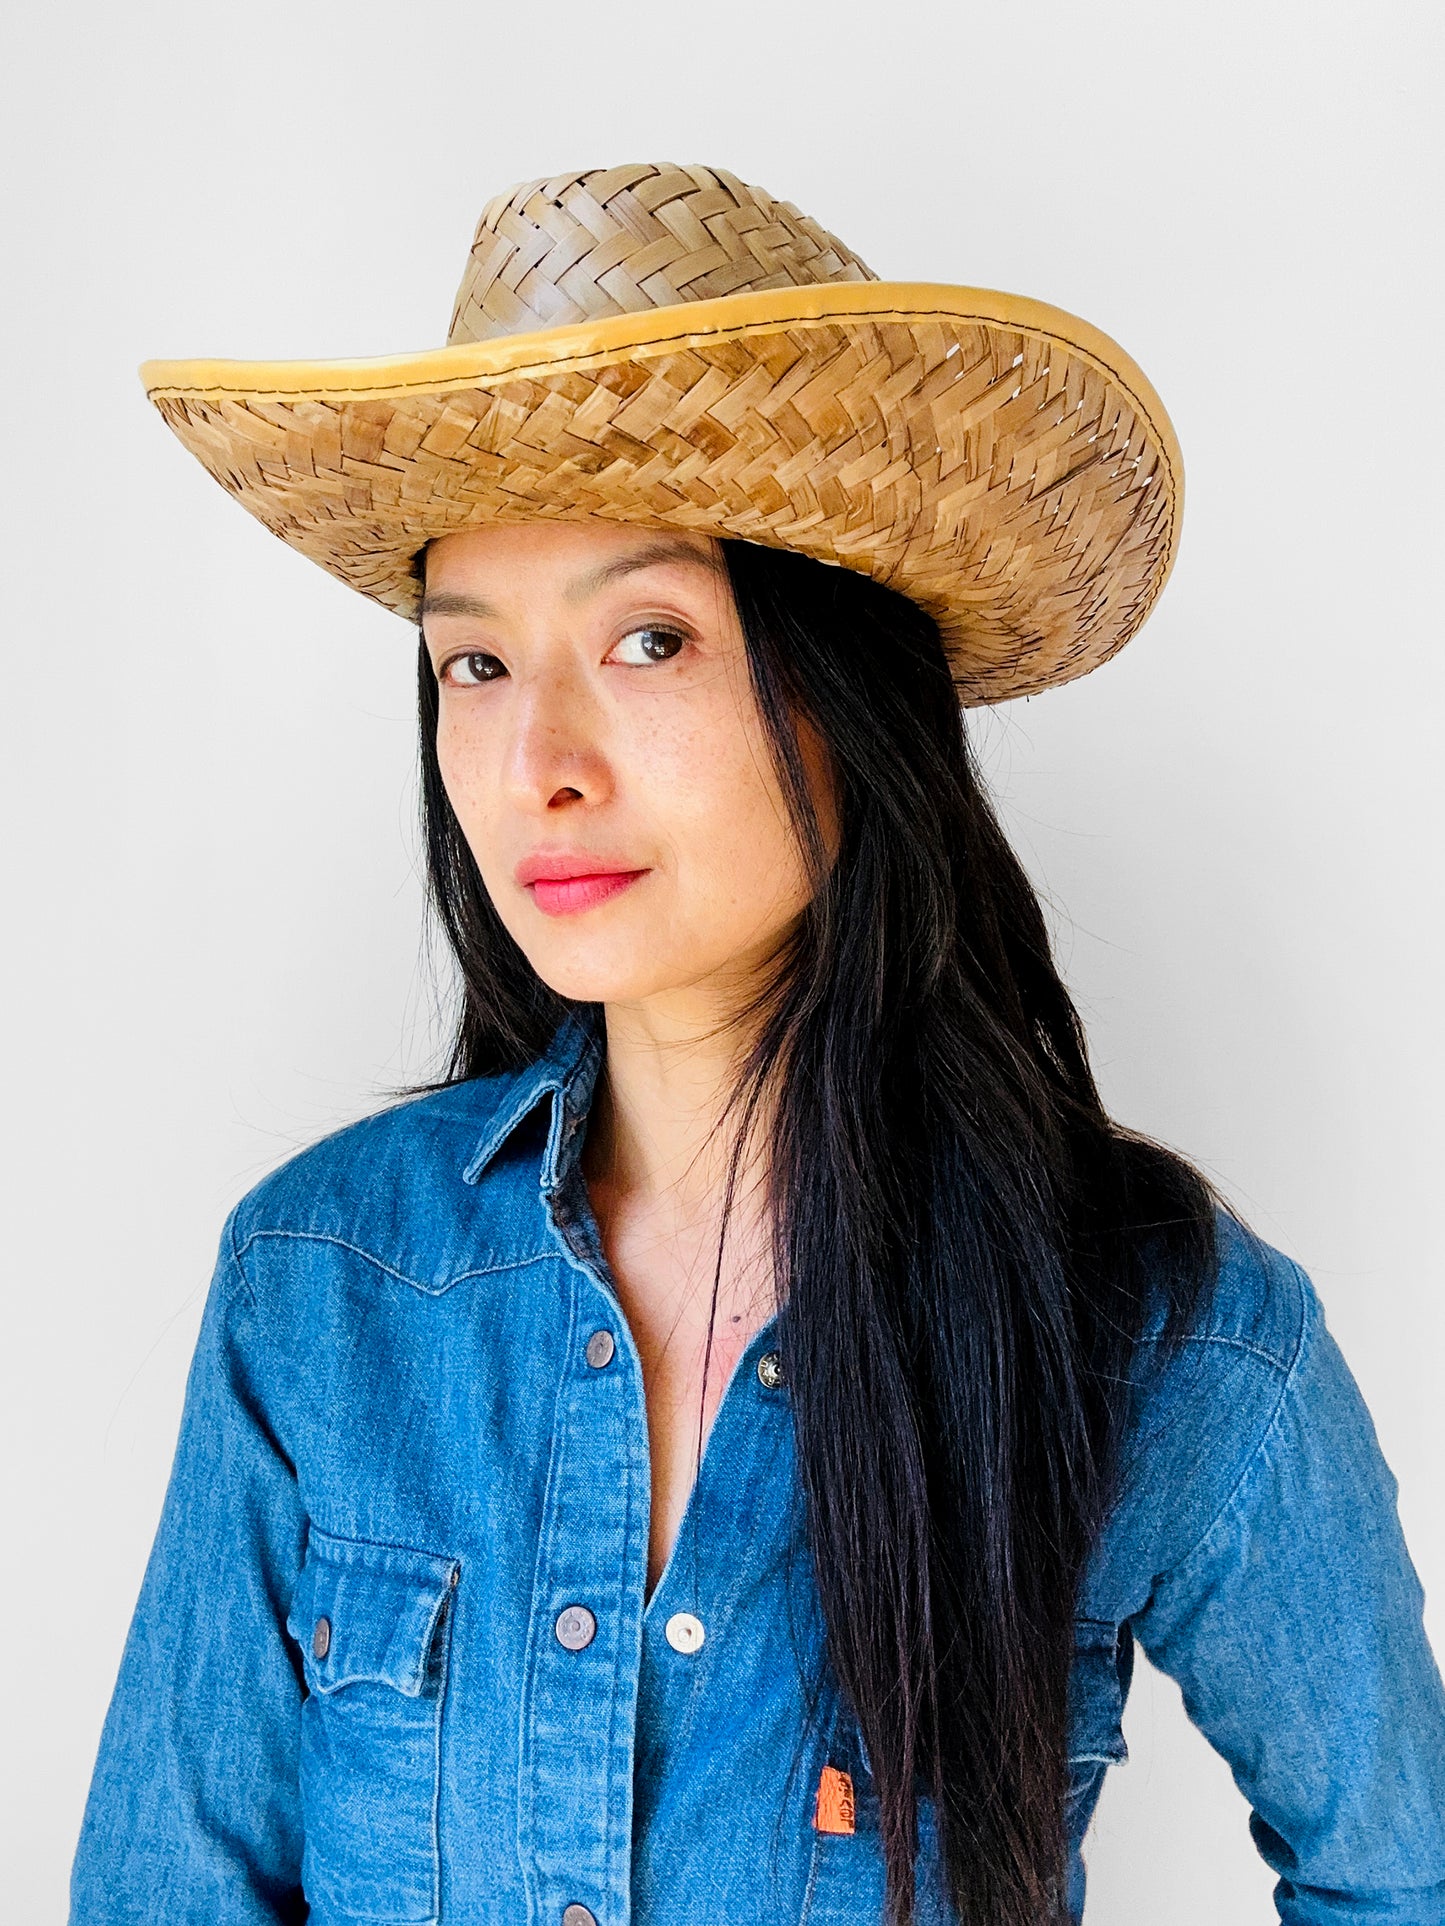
667,347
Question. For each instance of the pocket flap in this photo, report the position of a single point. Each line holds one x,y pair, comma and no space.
380,1605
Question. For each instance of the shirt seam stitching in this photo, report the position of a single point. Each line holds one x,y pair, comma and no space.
1282,1366
1257,1450
390,1270
237,1256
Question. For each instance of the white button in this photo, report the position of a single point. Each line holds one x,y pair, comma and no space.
685,1633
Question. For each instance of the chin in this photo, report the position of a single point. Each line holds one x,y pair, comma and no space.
585,979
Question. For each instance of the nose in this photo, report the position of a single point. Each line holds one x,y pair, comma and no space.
554,755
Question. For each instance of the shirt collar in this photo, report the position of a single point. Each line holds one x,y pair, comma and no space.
567,1071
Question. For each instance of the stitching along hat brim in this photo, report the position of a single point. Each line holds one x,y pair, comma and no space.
1003,463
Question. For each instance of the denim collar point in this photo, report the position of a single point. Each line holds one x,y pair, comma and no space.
567,1069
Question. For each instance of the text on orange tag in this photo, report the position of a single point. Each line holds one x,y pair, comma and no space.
834,1812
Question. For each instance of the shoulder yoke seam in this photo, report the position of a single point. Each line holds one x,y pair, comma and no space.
390,1270
1282,1365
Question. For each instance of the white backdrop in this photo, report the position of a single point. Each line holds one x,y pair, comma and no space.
214,948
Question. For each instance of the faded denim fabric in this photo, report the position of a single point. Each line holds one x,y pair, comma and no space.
344,1695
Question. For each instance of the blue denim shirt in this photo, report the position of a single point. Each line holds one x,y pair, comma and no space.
393,1658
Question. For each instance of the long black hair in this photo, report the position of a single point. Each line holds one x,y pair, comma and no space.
966,1247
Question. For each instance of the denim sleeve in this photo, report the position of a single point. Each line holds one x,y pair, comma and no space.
1294,1629
193,1815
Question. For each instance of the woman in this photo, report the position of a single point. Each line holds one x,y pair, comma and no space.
708,1459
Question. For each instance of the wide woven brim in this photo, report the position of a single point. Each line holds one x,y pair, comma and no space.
1001,462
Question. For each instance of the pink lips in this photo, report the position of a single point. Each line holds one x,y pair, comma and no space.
563,883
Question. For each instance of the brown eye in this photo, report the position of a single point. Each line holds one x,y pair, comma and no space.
465,671
639,647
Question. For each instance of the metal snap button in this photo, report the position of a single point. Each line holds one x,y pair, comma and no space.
578,1916
576,1627
600,1348
684,1633
770,1370
321,1638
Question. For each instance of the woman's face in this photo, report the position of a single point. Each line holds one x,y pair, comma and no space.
601,746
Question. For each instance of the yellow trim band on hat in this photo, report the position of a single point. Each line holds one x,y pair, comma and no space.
582,344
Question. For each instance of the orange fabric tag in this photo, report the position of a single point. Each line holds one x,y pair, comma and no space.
834,1811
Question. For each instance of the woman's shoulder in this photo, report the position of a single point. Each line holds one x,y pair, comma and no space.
401,1185
1205,1406
1258,1301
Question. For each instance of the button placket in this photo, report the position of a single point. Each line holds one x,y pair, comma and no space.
581,1699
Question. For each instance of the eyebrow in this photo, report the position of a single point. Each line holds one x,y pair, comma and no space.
650,555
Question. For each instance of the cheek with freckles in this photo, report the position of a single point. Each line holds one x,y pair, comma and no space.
468,763
708,787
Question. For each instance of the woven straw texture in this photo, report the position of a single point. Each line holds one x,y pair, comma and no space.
625,239
670,348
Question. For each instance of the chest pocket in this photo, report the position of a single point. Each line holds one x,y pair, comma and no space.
846,1882
374,1627
846,1886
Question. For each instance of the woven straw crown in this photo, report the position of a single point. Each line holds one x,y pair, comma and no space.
623,239
669,347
